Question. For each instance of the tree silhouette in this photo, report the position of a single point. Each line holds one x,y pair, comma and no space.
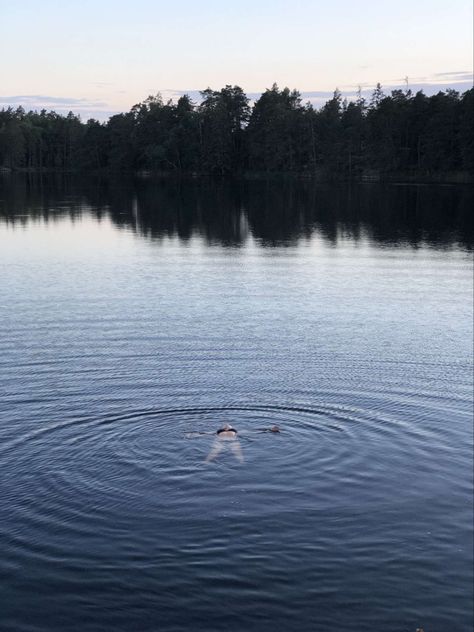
400,133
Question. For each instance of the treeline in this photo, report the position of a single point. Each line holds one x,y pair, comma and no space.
397,133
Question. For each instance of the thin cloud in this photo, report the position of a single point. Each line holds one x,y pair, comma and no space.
461,74
85,108
40,100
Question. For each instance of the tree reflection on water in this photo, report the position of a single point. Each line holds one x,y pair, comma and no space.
228,212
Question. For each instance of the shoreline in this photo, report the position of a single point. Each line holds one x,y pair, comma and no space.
320,177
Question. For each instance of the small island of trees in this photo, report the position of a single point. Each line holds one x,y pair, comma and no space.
401,133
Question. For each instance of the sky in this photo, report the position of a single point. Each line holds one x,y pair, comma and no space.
99,57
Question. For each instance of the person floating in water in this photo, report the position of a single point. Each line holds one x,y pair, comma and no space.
226,437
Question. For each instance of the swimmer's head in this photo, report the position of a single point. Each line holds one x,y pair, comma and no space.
226,429
275,429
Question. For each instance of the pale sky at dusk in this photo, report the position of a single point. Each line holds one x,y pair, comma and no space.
99,57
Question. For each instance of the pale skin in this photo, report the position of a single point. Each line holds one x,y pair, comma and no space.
229,437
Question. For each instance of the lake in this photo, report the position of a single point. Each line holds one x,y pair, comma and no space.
140,316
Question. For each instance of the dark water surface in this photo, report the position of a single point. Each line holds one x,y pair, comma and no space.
134,313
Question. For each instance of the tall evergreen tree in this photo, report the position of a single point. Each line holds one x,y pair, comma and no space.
223,115
277,132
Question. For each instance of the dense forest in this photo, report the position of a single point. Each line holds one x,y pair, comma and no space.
400,133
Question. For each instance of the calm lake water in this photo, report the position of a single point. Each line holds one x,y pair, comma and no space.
134,313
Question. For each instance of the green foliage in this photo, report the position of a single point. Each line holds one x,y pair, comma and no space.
278,132
222,116
466,130
224,135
